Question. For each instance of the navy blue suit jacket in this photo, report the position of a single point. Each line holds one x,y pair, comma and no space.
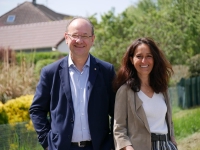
53,97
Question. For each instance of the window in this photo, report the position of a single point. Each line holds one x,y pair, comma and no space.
11,18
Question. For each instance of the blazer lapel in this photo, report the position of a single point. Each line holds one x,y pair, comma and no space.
65,82
136,106
94,69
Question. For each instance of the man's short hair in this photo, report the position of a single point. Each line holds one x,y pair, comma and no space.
80,18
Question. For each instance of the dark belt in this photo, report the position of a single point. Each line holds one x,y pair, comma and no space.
82,143
155,137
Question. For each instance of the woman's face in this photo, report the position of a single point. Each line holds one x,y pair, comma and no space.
143,60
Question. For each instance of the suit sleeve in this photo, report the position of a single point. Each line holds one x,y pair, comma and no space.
111,104
112,97
121,138
40,108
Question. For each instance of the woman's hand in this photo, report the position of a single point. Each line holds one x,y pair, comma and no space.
128,148
173,140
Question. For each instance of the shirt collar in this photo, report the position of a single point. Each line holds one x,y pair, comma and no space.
71,63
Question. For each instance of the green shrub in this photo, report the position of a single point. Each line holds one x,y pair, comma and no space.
40,64
48,55
194,65
34,57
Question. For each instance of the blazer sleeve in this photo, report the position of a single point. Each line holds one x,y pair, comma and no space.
170,119
169,114
121,138
40,108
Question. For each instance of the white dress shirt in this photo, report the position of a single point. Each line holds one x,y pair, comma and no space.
80,96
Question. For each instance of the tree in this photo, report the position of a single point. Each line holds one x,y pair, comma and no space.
112,37
173,24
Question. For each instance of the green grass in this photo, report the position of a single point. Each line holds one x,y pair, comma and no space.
186,122
175,109
18,137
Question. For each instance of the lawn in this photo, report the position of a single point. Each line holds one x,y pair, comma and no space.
187,128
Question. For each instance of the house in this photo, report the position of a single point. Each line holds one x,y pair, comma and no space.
42,36
31,26
30,12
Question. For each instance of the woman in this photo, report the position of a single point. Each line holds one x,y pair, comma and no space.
142,118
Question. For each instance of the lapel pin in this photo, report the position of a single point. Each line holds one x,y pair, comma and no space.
95,69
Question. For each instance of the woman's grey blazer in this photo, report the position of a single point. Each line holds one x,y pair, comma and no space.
130,122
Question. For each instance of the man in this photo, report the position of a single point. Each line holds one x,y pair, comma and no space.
76,92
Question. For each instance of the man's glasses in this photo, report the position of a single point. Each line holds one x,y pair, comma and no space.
76,37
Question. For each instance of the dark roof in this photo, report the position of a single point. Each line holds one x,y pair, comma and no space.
33,36
27,12
51,14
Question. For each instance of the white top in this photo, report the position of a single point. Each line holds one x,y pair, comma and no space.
155,109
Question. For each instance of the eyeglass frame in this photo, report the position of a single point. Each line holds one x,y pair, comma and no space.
83,37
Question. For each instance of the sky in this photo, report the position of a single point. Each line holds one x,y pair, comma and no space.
83,8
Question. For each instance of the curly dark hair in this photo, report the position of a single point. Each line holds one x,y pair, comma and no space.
159,76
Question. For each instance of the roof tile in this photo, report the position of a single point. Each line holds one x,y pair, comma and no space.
28,13
32,36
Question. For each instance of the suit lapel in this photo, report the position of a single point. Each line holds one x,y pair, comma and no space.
94,69
65,82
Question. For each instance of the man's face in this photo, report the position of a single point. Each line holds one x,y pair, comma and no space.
79,38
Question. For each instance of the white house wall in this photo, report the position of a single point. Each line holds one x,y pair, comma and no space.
63,47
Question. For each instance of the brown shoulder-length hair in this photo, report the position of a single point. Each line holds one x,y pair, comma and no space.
159,76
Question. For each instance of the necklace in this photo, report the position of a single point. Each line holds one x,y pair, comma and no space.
146,88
